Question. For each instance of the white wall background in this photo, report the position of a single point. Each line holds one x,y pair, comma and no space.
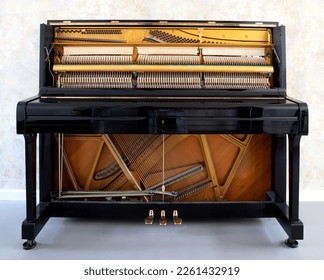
19,41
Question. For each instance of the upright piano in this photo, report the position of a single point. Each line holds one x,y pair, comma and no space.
164,121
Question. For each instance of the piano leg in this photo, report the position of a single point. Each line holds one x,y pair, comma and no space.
288,214
293,214
29,223
290,219
36,215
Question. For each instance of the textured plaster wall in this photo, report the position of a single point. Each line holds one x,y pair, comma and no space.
19,41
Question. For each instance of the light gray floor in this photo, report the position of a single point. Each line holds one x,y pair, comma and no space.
67,238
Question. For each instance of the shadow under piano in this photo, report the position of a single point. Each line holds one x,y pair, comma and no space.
164,121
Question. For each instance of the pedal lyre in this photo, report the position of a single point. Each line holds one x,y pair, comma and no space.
176,219
150,217
163,220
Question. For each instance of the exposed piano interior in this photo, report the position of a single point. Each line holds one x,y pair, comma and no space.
162,57
166,116
188,167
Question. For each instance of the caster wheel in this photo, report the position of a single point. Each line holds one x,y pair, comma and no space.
292,243
29,244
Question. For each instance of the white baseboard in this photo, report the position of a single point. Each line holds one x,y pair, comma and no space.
6,194
311,195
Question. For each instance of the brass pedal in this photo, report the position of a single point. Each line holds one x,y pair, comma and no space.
150,217
163,220
176,219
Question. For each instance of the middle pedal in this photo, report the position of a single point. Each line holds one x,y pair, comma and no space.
163,220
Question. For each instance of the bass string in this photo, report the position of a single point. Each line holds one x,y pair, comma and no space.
126,143
136,155
149,165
